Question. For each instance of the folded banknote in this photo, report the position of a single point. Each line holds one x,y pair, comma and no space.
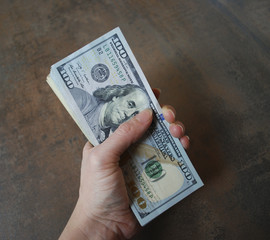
101,85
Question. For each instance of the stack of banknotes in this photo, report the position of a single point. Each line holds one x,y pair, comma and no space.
101,85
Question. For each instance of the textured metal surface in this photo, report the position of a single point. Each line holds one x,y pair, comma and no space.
212,61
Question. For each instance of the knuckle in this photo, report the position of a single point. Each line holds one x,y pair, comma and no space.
96,158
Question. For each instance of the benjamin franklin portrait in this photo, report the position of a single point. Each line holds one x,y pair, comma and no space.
108,107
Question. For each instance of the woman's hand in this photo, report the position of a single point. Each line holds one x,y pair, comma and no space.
102,210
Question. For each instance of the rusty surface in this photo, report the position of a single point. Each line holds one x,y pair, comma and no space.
212,61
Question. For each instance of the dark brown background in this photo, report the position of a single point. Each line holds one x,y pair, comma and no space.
211,58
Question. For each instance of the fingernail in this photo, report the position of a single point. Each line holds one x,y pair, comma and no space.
145,115
172,112
188,137
181,127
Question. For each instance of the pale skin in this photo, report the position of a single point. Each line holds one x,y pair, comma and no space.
102,210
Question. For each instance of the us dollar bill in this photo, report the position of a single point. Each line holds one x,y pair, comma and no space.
101,85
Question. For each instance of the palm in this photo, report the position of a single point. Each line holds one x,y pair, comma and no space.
108,196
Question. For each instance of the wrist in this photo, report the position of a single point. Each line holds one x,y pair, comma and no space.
83,227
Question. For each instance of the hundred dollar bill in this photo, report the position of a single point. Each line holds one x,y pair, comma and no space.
101,85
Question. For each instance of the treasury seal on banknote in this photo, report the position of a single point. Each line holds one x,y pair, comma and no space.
100,72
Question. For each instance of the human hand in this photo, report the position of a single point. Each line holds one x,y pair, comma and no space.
102,210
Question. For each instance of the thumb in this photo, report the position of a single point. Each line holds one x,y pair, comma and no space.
126,134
